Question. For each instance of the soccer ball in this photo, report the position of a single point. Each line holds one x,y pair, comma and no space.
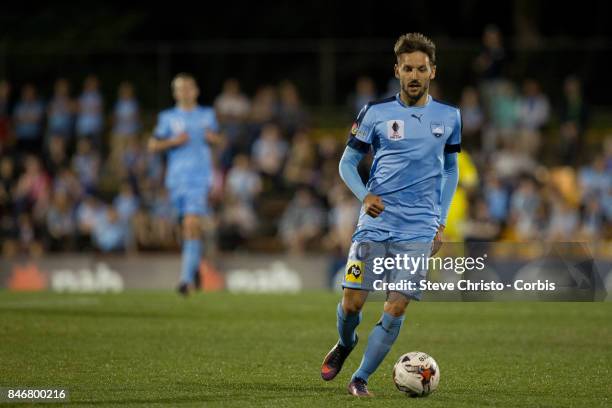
416,374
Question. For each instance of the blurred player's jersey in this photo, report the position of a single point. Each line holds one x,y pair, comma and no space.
408,145
188,165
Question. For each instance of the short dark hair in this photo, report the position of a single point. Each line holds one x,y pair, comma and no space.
412,42
182,75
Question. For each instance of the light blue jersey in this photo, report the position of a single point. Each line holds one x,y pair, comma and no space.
188,165
408,144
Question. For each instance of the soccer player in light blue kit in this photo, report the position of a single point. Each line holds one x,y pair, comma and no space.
184,133
415,140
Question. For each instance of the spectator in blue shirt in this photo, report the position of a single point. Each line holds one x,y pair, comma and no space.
86,164
365,91
89,213
60,111
90,121
110,233
126,203
496,198
126,116
126,120
28,116
61,223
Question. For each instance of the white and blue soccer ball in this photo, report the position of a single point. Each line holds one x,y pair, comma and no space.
416,374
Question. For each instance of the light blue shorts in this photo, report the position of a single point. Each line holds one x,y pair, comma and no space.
190,201
372,266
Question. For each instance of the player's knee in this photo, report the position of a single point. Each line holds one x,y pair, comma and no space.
351,305
396,308
191,227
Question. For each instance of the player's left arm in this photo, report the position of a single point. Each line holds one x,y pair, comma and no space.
213,137
450,179
212,134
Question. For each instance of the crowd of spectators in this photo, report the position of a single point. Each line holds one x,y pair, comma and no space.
74,178
76,175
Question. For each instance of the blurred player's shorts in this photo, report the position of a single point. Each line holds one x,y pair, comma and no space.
372,266
191,201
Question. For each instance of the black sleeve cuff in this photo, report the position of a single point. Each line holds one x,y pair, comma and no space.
452,148
358,145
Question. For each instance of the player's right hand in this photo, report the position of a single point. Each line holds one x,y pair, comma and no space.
180,139
373,205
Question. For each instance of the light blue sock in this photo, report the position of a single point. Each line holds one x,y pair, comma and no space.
380,341
347,323
192,249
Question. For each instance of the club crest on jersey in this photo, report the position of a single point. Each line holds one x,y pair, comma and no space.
437,128
395,129
354,129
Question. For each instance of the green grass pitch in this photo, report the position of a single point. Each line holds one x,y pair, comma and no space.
151,349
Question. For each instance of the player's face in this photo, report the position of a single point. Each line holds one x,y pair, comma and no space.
185,91
414,70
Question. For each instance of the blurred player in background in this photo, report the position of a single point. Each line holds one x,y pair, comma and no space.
415,141
184,134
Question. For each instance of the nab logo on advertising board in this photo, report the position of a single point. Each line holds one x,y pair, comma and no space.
99,279
277,277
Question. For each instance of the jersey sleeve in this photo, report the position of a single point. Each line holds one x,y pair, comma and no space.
363,130
162,129
213,125
453,143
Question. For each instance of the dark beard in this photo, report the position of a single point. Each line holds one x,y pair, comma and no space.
415,98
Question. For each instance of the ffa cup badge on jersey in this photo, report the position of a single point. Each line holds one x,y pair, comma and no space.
395,129
437,128
354,271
